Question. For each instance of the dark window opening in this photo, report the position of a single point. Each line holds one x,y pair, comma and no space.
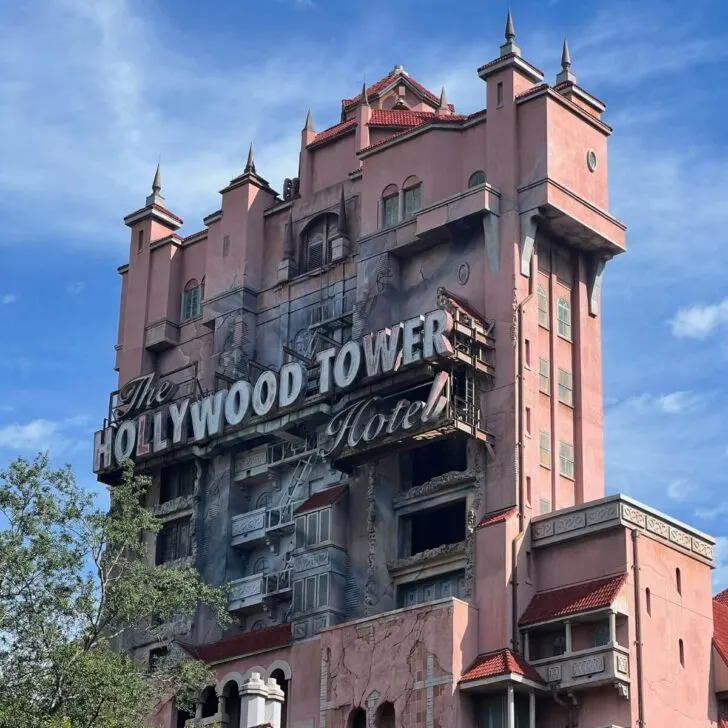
177,481
384,717
439,457
548,643
140,240
357,719
280,678
182,717
209,703
232,704
433,528
156,656
173,541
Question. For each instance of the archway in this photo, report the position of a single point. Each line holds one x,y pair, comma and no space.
357,719
384,717
232,704
283,684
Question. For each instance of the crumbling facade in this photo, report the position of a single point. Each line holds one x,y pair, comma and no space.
372,406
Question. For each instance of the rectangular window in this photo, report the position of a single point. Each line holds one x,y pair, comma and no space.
173,541
310,593
543,307
601,634
324,523
544,449
544,376
499,94
390,211
566,459
156,656
298,588
140,241
528,421
528,353
564,317
312,528
412,201
191,303
300,532
566,387
323,590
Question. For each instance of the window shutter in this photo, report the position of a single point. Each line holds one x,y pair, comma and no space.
315,254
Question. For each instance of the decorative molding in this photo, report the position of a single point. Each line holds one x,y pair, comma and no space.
623,664
633,515
588,666
304,562
553,674
247,522
569,523
600,514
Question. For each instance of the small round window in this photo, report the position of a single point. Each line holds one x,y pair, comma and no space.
591,160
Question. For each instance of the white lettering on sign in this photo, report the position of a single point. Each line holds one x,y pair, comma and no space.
362,421
383,352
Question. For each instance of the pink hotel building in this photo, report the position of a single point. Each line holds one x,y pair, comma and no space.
373,407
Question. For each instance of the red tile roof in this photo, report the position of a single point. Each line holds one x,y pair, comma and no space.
721,597
720,628
334,131
531,91
383,83
576,599
507,57
502,662
242,644
497,516
321,499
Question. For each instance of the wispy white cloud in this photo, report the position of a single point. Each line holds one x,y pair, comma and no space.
682,490
699,321
60,437
8,298
677,402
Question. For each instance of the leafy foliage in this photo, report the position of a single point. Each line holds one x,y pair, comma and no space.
75,582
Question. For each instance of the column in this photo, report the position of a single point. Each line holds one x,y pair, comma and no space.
532,710
510,708
273,703
567,627
253,694
612,628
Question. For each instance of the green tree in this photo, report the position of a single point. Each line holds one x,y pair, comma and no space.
74,580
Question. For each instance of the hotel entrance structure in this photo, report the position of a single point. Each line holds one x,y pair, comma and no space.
372,405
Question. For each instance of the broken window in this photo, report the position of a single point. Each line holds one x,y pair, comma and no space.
432,528
177,481
439,457
209,703
173,541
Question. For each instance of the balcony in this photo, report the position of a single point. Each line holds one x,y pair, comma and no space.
608,665
257,527
161,335
250,593
246,595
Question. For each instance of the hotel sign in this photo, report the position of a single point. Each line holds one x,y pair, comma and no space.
151,422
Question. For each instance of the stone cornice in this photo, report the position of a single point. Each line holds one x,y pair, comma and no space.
621,511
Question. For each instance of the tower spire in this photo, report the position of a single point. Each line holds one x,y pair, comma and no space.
157,181
250,164
565,76
510,33
308,126
443,107
364,99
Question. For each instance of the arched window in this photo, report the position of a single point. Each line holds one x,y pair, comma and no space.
257,625
316,242
476,178
678,581
280,678
681,650
564,317
232,704
263,500
192,299
384,717
412,193
390,206
543,307
209,703
260,566
357,719
648,601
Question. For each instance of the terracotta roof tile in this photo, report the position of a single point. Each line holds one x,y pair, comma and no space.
321,499
503,662
585,597
334,131
383,83
531,91
720,628
242,644
402,117
497,516
721,597
506,57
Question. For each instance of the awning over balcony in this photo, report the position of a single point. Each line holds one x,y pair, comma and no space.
571,600
500,666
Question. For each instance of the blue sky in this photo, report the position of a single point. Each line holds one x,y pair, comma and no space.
92,93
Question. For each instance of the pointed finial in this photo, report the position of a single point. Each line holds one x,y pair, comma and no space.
510,29
308,126
443,99
565,76
363,98
565,57
343,222
250,164
157,182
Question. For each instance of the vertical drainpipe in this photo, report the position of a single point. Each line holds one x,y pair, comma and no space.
521,460
638,628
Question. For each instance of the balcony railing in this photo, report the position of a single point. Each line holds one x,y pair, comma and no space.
278,584
585,668
246,594
254,527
